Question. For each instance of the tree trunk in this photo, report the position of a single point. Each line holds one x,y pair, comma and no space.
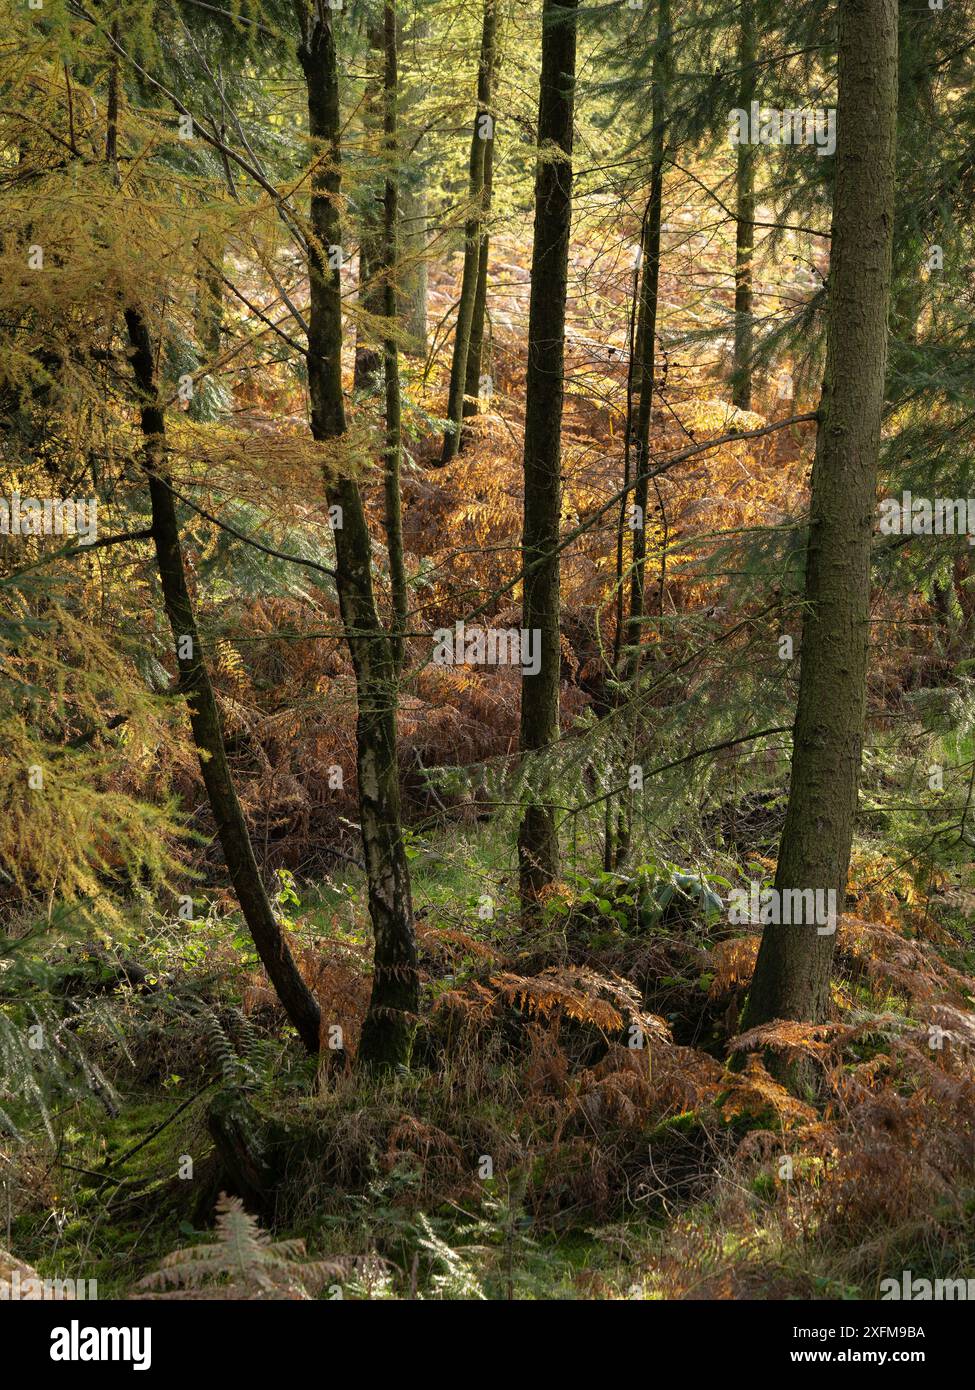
481,138
413,281
745,206
915,75
241,1140
644,375
413,211
194,683
538,849
208,304
394,450
647,336
792,975
475,351
388,1028
371,221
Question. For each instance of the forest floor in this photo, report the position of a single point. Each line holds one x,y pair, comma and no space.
567,1129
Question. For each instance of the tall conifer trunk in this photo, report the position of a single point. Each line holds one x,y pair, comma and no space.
745,209
538,849
642,377
475,352
394,429
388,1029
792,975
413,198
370,226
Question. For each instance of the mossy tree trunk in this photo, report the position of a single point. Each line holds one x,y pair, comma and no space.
538,848
792,974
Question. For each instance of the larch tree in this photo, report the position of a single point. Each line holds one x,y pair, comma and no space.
196,687
195,684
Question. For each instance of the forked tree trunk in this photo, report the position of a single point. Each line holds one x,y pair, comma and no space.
481,139
194,683
792,975
538,848
388,1029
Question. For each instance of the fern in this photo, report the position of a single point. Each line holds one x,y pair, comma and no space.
455,1279
241,1262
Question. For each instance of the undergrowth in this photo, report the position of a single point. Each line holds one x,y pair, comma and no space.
569,1126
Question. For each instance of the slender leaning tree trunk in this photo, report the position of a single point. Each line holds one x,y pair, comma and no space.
792,975
481,138
388,1028
538,848
745,205
194,683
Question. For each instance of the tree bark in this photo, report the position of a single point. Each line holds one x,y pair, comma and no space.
388,1028
394,432
792,974
647,335
413,281
195,685
413,211
473,231
643,377
475,351
538,849
371,221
